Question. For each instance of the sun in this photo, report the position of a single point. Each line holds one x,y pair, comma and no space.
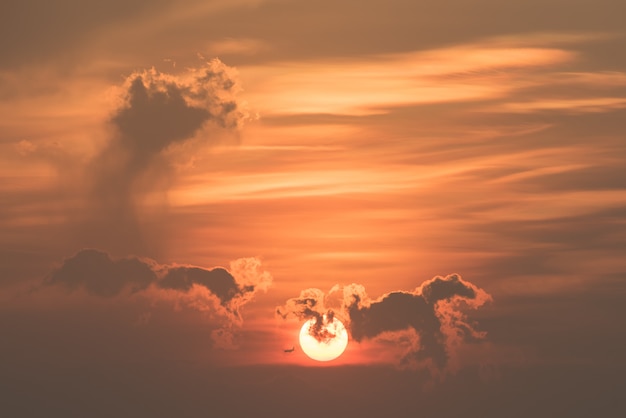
327,342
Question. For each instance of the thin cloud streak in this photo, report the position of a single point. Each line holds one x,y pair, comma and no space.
361,88
590,105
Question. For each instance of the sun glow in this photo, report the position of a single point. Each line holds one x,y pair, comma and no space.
328,343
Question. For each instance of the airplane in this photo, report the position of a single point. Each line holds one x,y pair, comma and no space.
290,350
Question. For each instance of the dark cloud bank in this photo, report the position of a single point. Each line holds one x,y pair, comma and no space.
102,276
218,291
431,320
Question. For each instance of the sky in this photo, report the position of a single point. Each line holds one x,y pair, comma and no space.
183,184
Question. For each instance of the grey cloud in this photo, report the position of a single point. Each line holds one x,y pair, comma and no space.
600,229
435,312
100,275
155,117
570,129
158,111
381,27
218,291
32,30
589,178
218,280
310,305
163,109
441,288
421,311
558,249
224,295
140,31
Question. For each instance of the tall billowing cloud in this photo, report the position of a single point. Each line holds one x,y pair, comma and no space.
431,320
161,109
157,111
218,290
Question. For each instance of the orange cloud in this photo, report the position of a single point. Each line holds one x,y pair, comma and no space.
361,87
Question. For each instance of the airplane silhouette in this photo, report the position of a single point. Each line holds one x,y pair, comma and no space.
290,350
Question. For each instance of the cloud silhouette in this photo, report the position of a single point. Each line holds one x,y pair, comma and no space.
430,320
97,273
432,311
156,112
155,116
162,109
309,305
218,280
218,290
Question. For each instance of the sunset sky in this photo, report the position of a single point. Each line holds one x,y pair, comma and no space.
184,183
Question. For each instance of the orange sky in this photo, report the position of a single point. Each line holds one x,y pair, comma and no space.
322,145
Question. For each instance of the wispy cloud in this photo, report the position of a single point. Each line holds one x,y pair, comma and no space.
360,87
237,46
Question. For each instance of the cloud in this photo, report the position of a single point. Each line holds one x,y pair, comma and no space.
433,311
156,112
218,280
430,321
232,46
99,275
218,291
161,109
309,305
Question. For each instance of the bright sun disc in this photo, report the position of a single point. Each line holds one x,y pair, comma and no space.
328,348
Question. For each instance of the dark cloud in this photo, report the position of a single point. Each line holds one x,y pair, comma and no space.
33,30
310,305
555,249
156,116
594,178
218,280
293,28
100,275
430,320
97,273
432,311
157,111
163,109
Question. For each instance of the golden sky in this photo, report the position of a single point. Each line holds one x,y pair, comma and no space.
184,183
